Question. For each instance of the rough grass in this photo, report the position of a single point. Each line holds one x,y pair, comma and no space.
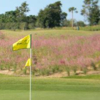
80,88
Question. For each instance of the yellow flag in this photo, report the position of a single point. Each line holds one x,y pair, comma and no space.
28,63
23,43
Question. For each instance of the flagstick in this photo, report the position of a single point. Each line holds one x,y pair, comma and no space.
31,70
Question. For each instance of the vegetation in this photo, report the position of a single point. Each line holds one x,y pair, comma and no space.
74,88
72,9
49,17
91,28
59,50
91,11
73,51
17,19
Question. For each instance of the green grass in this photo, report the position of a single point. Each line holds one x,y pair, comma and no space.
85,77
49,32
76,88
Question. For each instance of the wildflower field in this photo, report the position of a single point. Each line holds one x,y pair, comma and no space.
54,51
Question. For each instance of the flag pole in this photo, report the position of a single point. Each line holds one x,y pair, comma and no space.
31,67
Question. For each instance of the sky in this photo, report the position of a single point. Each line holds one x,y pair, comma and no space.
36,5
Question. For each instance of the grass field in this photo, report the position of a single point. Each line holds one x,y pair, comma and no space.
72,88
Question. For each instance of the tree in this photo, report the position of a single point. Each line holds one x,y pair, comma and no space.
51,16
31,19
91,11
16,19
10,16
63,17
23,26
2,18
66,23
81,23
41,19
21,11
72,9
94,15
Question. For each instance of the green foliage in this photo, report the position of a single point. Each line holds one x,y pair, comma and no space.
23,26
81,23
91,28
31,26
17,19
72,10
21,11
66,23
51,16
91,11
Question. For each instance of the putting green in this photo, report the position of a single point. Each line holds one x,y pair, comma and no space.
76,88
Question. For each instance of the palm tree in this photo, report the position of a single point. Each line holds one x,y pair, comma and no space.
72,9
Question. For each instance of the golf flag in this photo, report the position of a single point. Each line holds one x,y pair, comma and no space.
28,63
23,43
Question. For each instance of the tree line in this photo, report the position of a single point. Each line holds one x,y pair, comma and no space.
51,16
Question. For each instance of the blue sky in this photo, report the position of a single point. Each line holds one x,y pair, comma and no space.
36,5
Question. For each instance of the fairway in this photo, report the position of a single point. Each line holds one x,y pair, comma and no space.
74,88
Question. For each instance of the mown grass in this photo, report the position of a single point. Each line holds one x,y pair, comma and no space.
49,32
76,88
84,77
